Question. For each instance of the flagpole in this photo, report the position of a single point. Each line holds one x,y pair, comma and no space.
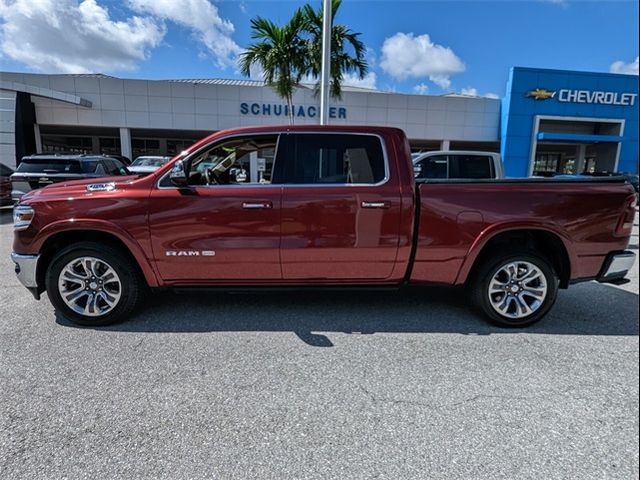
326,62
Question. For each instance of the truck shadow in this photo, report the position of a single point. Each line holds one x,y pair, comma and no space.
585,309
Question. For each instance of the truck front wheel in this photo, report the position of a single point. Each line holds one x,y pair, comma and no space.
515,288
92,284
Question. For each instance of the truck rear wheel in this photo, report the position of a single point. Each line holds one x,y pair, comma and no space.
92,284
515,288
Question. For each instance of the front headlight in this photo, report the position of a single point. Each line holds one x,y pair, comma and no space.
22,217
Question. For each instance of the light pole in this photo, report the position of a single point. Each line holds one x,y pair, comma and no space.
326,62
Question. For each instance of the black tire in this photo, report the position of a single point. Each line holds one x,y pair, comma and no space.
480,282
132,285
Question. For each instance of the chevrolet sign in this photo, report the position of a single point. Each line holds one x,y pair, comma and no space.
585,96
603,98
541,94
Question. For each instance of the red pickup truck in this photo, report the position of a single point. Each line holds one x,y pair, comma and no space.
317,206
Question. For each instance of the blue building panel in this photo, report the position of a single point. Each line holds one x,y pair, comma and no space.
557,94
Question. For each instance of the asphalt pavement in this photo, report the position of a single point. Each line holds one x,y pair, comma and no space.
319,385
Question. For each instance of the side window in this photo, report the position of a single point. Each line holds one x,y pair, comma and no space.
434,167
470,166
111,166
330,159
237,161
92,166
119,167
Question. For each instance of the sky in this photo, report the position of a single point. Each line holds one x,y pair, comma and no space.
424,47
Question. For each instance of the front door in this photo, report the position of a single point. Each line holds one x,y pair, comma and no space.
227,226
340,214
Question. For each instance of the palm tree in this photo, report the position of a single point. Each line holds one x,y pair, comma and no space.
280,52
347,51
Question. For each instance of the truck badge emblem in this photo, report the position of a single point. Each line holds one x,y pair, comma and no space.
190,253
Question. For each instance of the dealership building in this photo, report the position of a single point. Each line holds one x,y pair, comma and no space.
548,120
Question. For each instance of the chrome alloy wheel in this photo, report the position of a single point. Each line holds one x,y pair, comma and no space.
517,289
89,286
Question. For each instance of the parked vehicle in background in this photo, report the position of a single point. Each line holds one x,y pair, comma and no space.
40,170
125,160
457,164
147,164
332,206
632,178
5,185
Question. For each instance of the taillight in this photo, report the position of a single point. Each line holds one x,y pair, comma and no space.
625,224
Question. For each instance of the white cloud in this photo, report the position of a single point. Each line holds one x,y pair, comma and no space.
473,92
70,37
421,88
203,19
407,56
628,68
351,79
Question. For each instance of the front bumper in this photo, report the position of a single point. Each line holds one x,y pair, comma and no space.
616,266
26,268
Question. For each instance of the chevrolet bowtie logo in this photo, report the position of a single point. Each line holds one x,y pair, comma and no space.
541,94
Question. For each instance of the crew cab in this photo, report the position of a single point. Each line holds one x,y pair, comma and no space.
311,206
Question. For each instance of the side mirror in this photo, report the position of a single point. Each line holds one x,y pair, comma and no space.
178,176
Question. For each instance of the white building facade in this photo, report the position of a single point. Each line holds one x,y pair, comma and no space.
103,114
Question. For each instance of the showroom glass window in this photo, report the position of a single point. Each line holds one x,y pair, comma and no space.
330,159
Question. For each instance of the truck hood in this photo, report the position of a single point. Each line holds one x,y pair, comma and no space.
78,188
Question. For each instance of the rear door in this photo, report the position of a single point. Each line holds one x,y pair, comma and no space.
340,211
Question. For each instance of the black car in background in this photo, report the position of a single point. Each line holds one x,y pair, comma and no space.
5,185
40,170
632,178
125,160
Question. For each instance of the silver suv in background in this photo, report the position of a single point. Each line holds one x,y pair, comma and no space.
147,164
454,164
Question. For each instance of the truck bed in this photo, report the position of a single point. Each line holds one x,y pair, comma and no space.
457,219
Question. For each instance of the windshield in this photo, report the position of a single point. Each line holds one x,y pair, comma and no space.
49,165
149,161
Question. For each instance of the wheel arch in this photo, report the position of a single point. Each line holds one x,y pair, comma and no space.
60,239
548,242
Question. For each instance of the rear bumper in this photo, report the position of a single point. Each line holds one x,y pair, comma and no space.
26,268
616,266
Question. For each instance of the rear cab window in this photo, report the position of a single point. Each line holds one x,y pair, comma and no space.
330,159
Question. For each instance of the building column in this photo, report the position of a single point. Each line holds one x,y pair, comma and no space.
36,132
581,151
445,145
125,143
95,144
8,128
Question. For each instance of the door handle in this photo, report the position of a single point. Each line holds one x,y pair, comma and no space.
375,204
256,205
